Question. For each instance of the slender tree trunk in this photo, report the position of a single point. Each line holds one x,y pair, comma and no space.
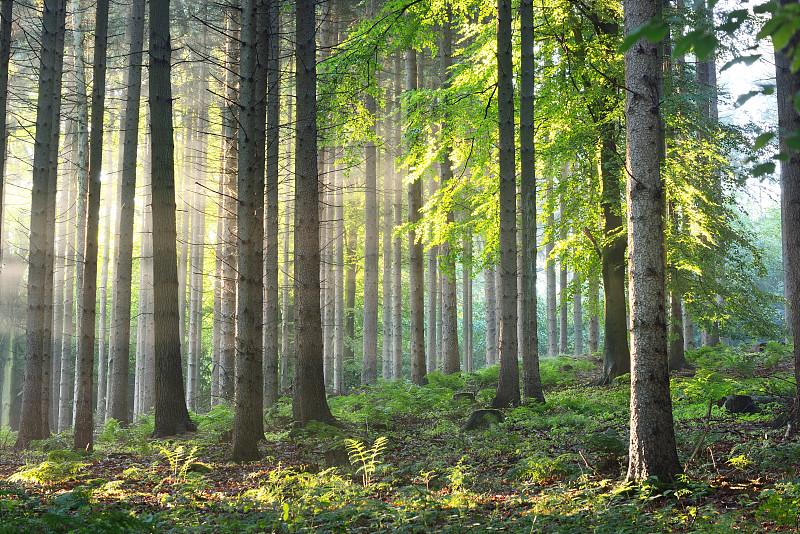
68,327
32,418
508,383
338,342
416,289
490,307
652,441
286,350
593,335
120,351
550,276
229,189
451,359
103,352
386,315
171,416
397,251
6,14
308,402
272,310
466,284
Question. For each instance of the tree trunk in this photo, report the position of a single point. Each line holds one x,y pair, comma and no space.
397,250
508,383
272,310
286,350
416,290
103,349
593,335
32,418
466,284
490,319
386,315
248,426
550,274
788,85
228,175
118,368
652,440
171,416
616,355
308,402
338,342
68,326
6,14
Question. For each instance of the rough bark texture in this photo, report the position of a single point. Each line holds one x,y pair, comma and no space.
171,415
508,384
118,368
272,310
788,85
652,439
6,13
32,418
308,402
248,400
529,342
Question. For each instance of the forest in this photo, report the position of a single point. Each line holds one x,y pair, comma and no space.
399,266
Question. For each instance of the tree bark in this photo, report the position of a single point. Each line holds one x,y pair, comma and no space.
529,340
32,418
6,14
490,308
308,402
593,335
652,440
171,415
397,250
416,290
550,274
508,383
272,310
788,85
386,315
118,368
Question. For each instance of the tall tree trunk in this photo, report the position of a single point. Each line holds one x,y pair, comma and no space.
32,418
286,350
466,284
508,383
6,14
84,415
416,290
228,175
788,85
397,250
593,335
652,441
171,416
308,402
272,310
338,327
490,308
529,341
248,426
103,352
550,275
386,315
64,414
120,351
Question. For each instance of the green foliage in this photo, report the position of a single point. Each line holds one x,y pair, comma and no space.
780,504
180,459
218,420
7,437
49,473
608,442
366,459
540,469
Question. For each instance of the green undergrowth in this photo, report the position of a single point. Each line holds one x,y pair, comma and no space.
398,461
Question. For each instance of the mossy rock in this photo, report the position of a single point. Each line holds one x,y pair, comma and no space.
483,419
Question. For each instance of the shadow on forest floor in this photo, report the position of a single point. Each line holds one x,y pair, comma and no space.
400,464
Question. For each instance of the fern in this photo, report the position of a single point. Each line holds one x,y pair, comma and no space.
48,472
367,459
180,460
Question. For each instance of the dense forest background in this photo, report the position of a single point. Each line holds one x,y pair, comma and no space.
410,179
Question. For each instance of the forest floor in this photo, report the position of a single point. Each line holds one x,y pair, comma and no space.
399,463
